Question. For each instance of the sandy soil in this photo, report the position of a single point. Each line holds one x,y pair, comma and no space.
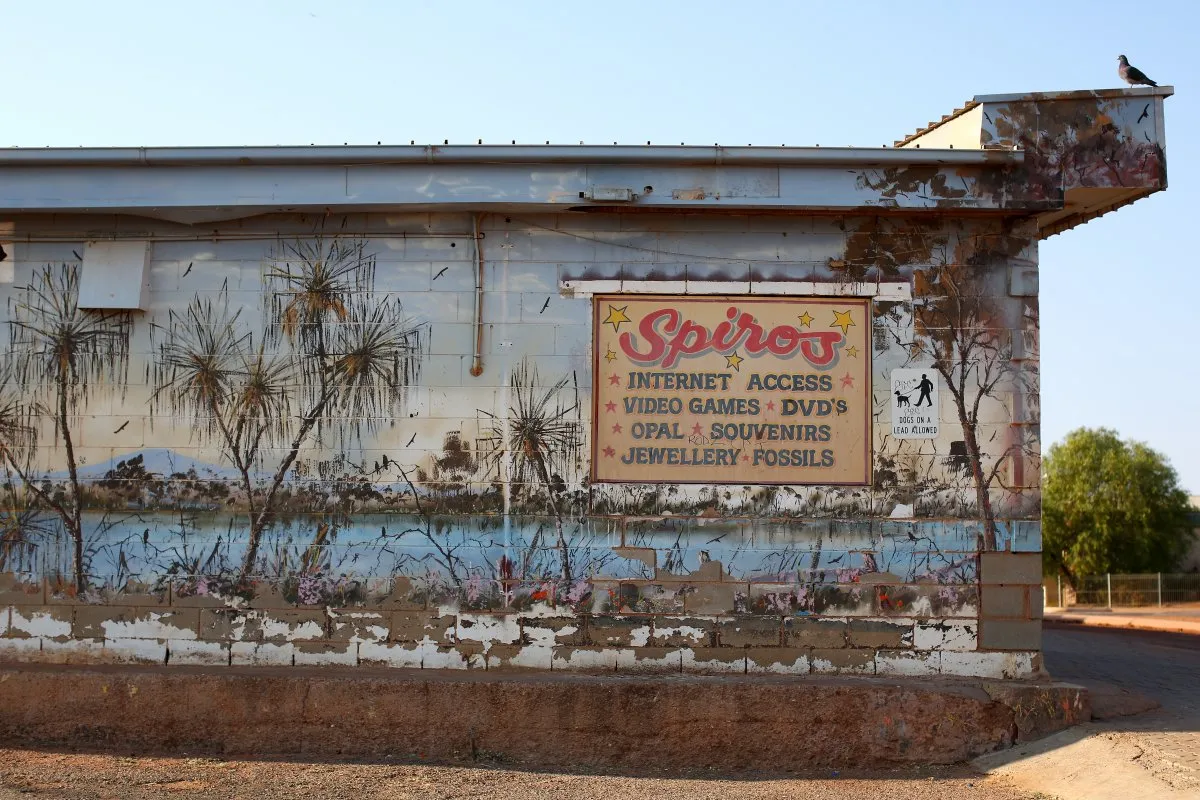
31,773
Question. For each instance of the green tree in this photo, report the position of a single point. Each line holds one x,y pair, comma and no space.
1110,506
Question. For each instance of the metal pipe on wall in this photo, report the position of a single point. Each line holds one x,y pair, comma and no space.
477,356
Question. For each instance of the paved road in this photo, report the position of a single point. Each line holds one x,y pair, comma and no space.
1162,666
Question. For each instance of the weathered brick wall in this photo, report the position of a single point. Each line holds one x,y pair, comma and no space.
417,538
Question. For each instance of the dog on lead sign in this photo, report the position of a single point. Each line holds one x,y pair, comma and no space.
915,407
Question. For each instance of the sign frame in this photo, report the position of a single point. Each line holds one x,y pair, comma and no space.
865,304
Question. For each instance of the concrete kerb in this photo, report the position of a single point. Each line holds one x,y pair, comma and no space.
1143,622
677,722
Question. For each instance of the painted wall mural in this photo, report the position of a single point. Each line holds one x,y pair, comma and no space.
294,417
333,360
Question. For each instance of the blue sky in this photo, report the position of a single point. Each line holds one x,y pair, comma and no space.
1119,295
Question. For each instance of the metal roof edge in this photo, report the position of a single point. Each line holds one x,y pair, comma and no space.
1031,97
1070,221
367,155
1077,94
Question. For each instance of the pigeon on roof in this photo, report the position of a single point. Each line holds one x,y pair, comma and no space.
1132,75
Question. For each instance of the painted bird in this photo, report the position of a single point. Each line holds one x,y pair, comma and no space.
1132,75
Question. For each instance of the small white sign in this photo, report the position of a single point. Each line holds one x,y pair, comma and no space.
915,408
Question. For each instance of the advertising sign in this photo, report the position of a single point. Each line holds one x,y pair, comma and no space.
741,390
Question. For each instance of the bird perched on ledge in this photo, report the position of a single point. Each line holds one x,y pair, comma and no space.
1132,75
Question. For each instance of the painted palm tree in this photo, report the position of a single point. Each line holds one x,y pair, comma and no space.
18,434
207,369
311,283
540,434
60,354
20,530
335,357
21,522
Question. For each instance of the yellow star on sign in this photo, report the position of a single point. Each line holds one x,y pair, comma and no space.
806,319
610,356
616,316
734,361
841,319
852,351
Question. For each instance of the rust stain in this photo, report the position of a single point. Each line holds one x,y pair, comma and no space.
921,180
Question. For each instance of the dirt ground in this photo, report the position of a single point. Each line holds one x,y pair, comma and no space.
41,774
1159,665
1154,754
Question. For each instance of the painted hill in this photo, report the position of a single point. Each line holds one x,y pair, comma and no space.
164,462
160,461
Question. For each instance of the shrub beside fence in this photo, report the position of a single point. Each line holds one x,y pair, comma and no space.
1129,590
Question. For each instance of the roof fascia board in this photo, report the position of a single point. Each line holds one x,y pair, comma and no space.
494,154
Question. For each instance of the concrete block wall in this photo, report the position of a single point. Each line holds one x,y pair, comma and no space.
1010,615
424,525
36,626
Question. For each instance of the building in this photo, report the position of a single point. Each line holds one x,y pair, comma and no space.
632,408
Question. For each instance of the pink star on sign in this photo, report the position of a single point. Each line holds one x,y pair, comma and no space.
614,380
770,405
847,380
696,429
611,407
745,458
609,452
617,428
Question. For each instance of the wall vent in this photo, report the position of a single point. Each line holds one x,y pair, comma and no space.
115,275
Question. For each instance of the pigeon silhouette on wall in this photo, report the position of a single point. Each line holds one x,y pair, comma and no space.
1132,75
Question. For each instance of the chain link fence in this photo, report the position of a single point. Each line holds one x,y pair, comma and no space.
1155,589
